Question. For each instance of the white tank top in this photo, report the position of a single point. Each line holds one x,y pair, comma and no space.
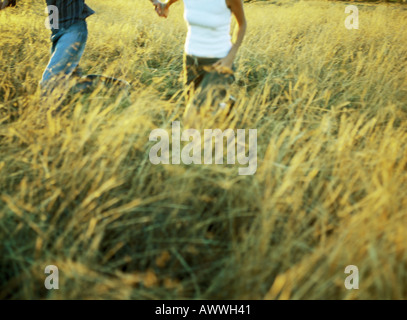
208,24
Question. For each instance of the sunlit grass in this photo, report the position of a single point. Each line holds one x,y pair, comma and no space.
78,190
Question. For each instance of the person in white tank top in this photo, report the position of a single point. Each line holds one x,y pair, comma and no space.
209,51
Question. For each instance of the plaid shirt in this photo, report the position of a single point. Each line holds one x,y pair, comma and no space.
70,11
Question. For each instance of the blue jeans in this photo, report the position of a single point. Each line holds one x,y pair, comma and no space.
68,46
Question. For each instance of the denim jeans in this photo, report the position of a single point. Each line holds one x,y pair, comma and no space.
68,46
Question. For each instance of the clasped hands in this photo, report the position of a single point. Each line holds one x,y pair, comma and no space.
161,8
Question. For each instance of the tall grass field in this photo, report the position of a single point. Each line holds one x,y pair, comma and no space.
78,190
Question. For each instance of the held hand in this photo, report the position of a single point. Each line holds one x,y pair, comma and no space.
161,8
224,65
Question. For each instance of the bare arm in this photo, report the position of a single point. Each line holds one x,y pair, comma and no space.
236,6
169,3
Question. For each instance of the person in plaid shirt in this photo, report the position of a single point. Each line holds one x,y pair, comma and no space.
69,36
67,19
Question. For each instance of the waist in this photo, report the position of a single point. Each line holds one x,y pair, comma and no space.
210,43
68,16
79,26
199,61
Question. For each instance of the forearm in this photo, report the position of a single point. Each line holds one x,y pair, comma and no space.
236,6
241,31
169,3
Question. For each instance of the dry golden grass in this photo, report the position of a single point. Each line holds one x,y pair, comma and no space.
78,190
